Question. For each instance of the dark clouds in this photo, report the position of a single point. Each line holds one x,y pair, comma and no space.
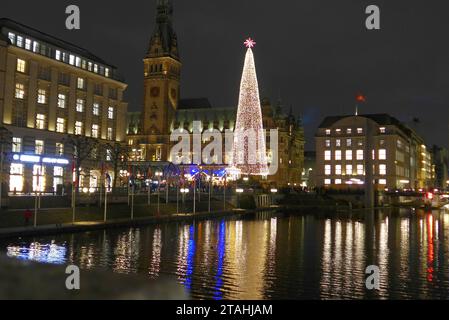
315,54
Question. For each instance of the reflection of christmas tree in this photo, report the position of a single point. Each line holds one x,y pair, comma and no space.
249,155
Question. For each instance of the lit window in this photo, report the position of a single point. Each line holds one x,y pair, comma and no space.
20,91
78,62
38,178
338,169
89,66
381,142
95,131
80,83
21,65
383,181
111,112
79,105
338,143
337,181
28,44
60,125
349,169
36,46
328,143
59,149
382,129
19,42
360,169
109,137
328,131
58,55
130,142
61,100
16,144
40,121
96,68
348,154
327,181
41,96
78,128
39,147
348,130
327,170
83,64
96,109
382,154
359,130
58,171
12,37
108,154
348,142
337,131
337,154
16,177
327,155
359,155
382,169
106,72
72,59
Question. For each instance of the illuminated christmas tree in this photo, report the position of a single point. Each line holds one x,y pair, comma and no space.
249,153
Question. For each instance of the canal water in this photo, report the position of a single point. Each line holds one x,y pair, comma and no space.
270,256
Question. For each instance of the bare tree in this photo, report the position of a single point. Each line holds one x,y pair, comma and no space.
117,154
83,149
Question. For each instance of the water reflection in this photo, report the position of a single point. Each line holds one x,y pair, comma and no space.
270,256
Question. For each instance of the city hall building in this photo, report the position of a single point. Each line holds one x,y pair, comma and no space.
163,111
353,147
49,89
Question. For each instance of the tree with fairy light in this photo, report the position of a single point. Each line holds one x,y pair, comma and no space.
249,152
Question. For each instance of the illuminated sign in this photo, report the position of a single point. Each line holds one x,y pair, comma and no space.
38,159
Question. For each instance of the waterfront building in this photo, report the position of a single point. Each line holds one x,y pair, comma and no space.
440,157
163,111
49,89
348,146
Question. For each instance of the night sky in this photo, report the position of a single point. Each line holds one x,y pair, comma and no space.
314,54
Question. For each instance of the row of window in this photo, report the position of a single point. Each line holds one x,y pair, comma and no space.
382,155
39,146
16,180
61,127
60,55
349,130
360,170
349,142
42,98
65,79
339,181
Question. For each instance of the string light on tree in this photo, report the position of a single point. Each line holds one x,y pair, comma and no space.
249,152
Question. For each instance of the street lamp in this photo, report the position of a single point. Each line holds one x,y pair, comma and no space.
239,191
183,191
158,175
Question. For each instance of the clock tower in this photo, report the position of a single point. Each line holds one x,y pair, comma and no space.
162,69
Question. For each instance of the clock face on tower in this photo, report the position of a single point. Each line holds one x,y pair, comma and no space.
155,91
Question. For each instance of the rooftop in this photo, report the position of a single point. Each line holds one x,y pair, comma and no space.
39,35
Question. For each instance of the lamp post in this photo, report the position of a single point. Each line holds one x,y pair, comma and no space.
184,191
273,191
210,188
158,175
